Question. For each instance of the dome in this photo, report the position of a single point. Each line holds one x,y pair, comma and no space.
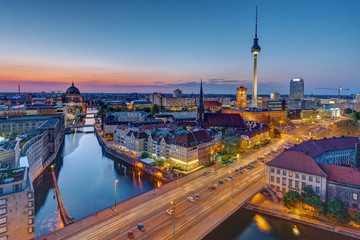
255,49
72,90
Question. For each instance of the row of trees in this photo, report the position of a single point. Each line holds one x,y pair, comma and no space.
232,143
308,200
347,128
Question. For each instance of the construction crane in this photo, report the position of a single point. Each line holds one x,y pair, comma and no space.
339,89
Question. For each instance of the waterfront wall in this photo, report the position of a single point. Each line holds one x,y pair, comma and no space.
133,161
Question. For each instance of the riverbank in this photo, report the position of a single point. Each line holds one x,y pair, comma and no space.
264,206
163,176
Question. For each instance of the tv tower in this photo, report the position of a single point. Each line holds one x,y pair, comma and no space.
255,50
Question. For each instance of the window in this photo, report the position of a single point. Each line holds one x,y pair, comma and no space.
347,195
303,185
272,178
290,183
284,182
296,175
3,237
317,179
3,229
317,189
284,172
31,229
297,184
290,174
278,188
2,201
283,189
3,220
277,180
17,187
310,178
30,204
303,177
31,212
3,211
1,190
355,196
278,171
272,170
30,195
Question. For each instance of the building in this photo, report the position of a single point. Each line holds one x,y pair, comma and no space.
72,95
255,50
111,120
177,93
116,104
292,170
357,98
212,106
297,88
9,153
17,205
241,97
274,104
157,98
258,115
275,95
330,166
140,104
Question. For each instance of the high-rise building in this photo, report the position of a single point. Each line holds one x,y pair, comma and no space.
255,50
241,97
177,93
297,88
275,95
357,98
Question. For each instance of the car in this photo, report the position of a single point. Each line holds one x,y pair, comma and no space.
231,177
170,212
141,227
211,188
228,179
236,170
211,170
221,181
191,199
205,173
196,197
131,234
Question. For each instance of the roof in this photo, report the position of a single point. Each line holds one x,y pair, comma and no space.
318,147
224,120
212,104
341,174
72,90
297,161
192,138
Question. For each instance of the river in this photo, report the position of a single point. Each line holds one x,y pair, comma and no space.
86,178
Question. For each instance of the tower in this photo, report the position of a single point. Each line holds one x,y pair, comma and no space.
241,97
200,109
297,88
255,50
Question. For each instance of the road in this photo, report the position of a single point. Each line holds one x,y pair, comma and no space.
152,211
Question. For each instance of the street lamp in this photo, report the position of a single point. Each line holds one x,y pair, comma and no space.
116,181
173,203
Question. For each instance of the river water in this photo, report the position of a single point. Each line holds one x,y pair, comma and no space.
86,178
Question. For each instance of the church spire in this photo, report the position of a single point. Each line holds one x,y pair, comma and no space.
201,101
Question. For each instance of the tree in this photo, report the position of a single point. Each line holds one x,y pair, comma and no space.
155,109
337,212
307,191
315,202
355,116
277,132
144,155
291,199
347,128
183,127
356,217
348,110
242,145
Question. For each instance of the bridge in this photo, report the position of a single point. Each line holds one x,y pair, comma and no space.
79,126
64,215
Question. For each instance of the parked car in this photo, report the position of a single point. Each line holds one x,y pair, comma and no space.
211,170
191,199
131,234
205,173
221,181
196,197
231,177
170,211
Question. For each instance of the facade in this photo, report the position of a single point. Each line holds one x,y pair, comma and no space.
140,104
17,205
12,125
9,153
274,104
357,98
112,120
241,97
297,88
212,106
275,95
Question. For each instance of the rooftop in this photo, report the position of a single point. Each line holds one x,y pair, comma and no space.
12,175
341,174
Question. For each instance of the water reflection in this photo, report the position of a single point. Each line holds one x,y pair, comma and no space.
85,175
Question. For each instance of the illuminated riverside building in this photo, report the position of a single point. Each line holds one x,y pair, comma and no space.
297,89
330,166
241,97
17,205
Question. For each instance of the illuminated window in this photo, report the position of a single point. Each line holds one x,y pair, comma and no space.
290,174
355,196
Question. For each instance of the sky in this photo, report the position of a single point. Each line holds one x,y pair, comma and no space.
159,45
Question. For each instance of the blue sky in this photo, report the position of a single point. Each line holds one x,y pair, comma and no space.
146,46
